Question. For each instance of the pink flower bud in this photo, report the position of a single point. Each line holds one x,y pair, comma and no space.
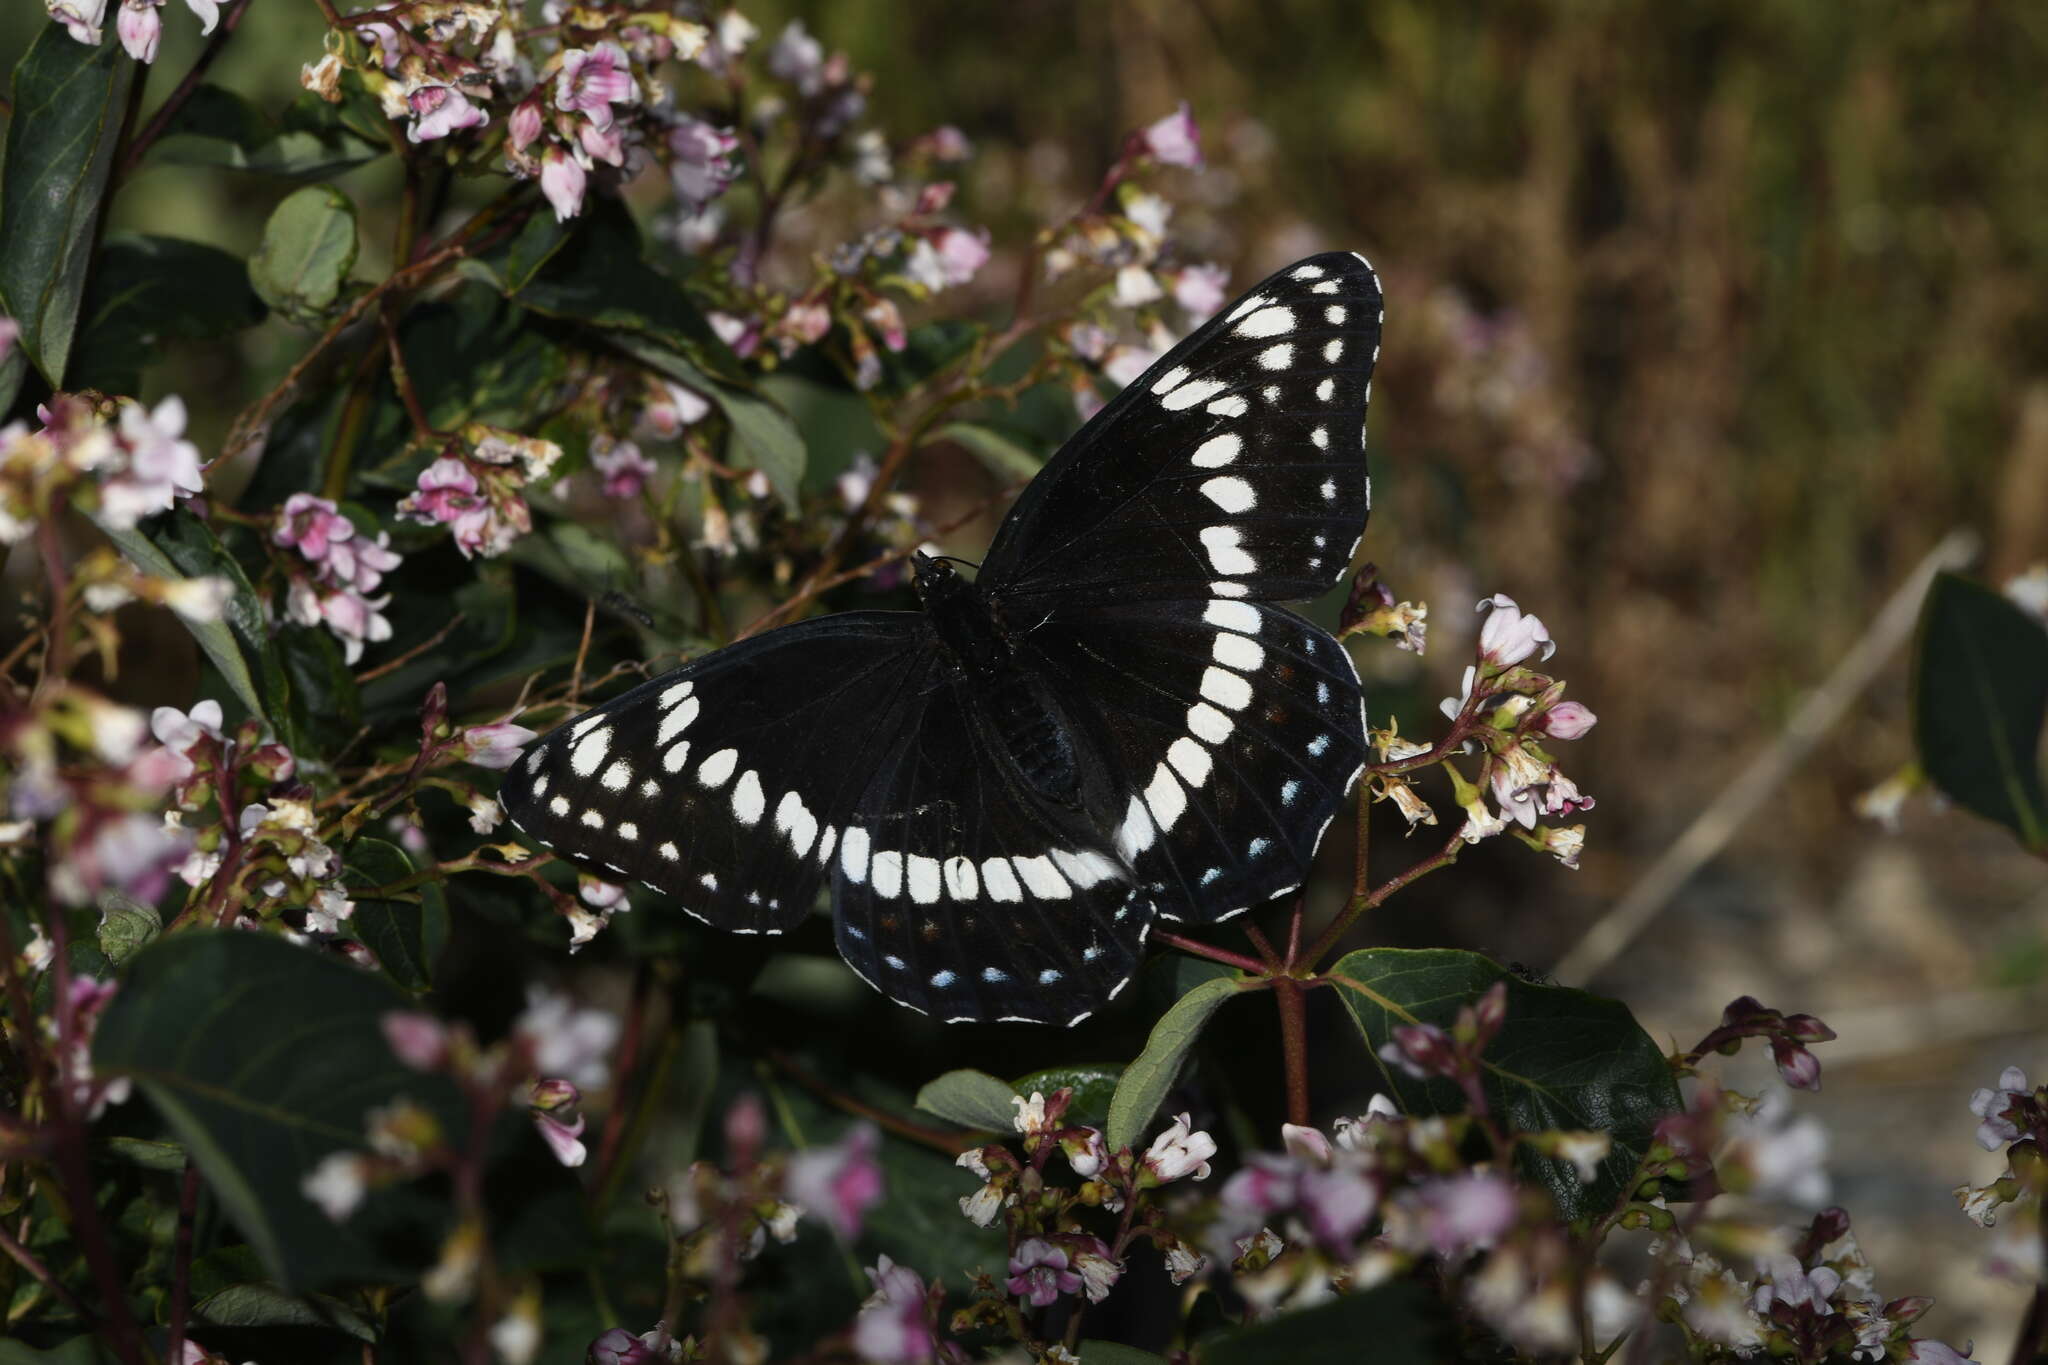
418,1040
553,1095
1511,635
525,124
1174,140
140,27
562,180
497,745
1568,720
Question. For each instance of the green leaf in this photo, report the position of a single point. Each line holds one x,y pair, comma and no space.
972,1099
327,709
78,1350
217,127
1563,1059
1146,1081
148,293
216,638
1093,1087
263,1058
764,437
151,1156
307,252
408,932
997,452
68,102
265,1305
1115,1353
127,926
1388,1325
1980,690
511,264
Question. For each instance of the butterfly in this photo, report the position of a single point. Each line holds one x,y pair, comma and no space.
1110,726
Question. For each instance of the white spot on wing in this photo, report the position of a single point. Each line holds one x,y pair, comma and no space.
1333,352
1238,616
796,823
1320,438
675,694
1001,880
1084,869
619,776
1226,689
629,831
1137,832
1224,555
593,819
1335,315
1217,451
560,805
1306,272
1165,798
749,803
1190,760
1208,724
1233,406
1042,878
1230,493
669,851
922,873
589,751
715,770
961,882
1226,588
853,854
677,721
1172,379
1325,389
1191,393
1267,322
887,870
1235,651
1319,745
676,757
1277,357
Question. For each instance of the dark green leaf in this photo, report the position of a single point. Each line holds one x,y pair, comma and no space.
1146,1081
919,1223
327,710
307,252
217,127
763,436
78,1350
148,293
408,931
127,926
265,1305
68,101
1389,1325
511,264
1093,1087
151,1156
1115,1353
1564,1059
216,638
998,453
1980,691
972,1099
263,1058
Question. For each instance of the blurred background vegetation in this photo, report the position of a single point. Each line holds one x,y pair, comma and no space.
1705,322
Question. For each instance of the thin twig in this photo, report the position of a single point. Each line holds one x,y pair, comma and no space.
168,110
1198,948
402,660
1711,830
26,1259
941,1139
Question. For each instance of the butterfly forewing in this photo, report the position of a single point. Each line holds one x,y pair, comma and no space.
1235,466
726,782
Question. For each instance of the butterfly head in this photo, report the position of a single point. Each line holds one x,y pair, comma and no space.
935,578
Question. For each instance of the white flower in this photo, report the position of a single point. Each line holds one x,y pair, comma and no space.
568,1042
337,1184
1511,635
1180,1150
983,1206
1135,286
1030,1114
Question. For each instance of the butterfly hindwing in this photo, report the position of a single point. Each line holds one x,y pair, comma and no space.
725,783
968,893
1235,466
1237,729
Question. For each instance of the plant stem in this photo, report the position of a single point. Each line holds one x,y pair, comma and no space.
168,110
26,1259
1210,951
622,1068
1290,995
181,1263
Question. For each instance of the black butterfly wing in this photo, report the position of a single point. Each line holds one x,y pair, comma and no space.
727,782
1237,730
965,892
1234,467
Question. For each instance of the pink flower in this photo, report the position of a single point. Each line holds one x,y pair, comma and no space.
1511,635
179,731
599,894
1174,140
1180,1151
1200,289
1935,1353
1124,364
838,1183
742,335
702,165
891,1327
948,143
950,256
496,745
552,1105
626,471
446,491
1568,720
1039,1273
620,1347
592,80
1460,1214
603,144
887,320
798,58
2000,1107
438,110
81,18
1337,1204
1097,1271
525,126
1135,287
567,1041
562,178
666,416
140,27
419,1040
161,466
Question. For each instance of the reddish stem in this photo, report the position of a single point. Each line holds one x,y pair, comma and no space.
1200,949
1290,995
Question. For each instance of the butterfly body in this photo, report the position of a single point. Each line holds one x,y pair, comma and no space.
1111,725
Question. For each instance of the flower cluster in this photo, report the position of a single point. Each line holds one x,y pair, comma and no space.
138,24
337,569
2013,1116
114,459
556,1051
477,488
